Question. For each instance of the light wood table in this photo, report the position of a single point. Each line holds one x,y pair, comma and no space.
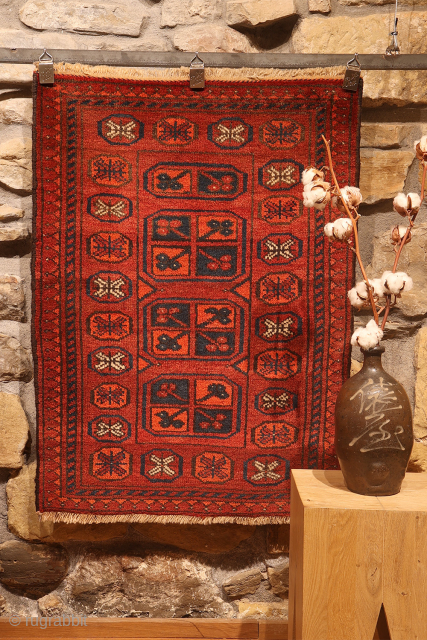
351,554
141,629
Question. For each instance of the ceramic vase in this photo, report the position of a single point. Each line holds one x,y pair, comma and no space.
373,429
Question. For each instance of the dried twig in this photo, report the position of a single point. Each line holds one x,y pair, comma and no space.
353,219
402,244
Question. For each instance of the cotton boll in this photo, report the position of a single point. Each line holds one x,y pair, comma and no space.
375,329
400,204
415,201
311,174
420,147
343,228
316,195
328,229
407,204
362,289
409,283
378,287
308,175
352,197
364,339
384,279
358,295
320,204
309,196
355,301
367,337
395,283
308,199
398,233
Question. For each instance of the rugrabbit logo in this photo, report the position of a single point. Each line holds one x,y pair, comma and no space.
43,622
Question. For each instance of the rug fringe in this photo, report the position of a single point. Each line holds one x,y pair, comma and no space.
80,518
242,74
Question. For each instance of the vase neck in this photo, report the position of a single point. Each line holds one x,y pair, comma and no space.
372,359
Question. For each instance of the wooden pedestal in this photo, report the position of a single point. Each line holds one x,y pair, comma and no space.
351,554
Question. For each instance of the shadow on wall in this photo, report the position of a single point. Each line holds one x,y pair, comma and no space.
271,36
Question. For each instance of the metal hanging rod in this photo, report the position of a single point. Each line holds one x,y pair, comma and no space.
178,59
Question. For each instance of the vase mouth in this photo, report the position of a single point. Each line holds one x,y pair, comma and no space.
374,351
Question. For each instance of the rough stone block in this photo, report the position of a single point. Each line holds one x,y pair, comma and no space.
369,34
355,367
258,13
15,361
24,522
319,6
147,42
13,431
34,40
413,260
4,607
243,583
384,136
147,585
211,37
16,74
15,164
87,532
279,579
119,18
189,11
418,459
9,214
51,605
263,610
394,87
383,173
17,234
214,538
22,518
32,570
12,298
16,111
420,410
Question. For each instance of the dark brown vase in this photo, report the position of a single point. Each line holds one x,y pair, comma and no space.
373,429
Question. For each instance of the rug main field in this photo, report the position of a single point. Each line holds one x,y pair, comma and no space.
190,322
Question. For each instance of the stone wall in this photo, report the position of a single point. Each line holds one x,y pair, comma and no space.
169,570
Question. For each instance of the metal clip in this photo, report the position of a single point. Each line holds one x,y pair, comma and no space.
393,49
352,74
46,74
197,73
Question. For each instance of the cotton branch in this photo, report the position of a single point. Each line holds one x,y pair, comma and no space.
353,219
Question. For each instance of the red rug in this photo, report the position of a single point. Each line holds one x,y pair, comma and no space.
190,323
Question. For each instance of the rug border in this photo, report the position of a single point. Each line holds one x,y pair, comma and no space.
92,518
335,75
213,74
33,285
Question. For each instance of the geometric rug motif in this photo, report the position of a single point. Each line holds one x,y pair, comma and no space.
190,321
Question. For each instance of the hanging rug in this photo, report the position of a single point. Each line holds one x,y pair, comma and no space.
190,321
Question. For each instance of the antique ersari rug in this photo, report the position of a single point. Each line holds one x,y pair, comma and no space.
190,321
